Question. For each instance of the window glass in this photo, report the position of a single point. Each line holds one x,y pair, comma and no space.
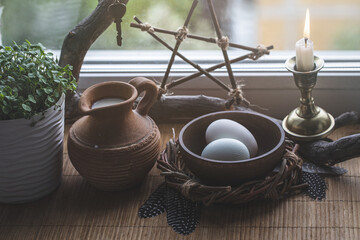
334,23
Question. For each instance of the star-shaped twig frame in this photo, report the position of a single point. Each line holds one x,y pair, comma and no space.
222,41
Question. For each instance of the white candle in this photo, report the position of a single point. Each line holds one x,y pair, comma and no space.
304,49
106,102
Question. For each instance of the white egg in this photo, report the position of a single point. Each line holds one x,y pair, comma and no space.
226,149
226,128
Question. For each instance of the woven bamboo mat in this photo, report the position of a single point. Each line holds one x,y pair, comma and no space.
78,211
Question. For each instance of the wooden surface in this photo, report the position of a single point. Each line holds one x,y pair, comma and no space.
78,211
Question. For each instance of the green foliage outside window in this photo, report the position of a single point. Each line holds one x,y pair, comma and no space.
49,21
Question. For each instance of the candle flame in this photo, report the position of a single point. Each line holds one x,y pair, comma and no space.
307,25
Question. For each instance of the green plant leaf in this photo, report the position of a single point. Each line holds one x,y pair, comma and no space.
31,75
6,109
31,98
39,92
50,99
56,95
48,90
10,98
26,107
30,65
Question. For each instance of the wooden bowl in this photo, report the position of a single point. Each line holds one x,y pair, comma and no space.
268,133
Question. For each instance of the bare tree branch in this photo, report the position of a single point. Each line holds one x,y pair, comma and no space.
79,40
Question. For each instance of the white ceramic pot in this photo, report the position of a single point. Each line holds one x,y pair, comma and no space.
31,156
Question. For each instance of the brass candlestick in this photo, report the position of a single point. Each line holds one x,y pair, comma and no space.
307,122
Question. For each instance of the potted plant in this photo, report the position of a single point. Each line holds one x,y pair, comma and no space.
32,95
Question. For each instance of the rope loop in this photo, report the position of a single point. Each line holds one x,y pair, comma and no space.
161,91
181,33
260,51
145,27
223,42
237,95
187,186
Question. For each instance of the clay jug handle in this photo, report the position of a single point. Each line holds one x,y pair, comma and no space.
151,92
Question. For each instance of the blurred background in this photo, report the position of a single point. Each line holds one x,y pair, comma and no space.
335,24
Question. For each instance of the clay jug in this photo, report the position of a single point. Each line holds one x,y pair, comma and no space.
114,147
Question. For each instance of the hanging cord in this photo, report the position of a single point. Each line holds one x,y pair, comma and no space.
223,42
181,33
145,27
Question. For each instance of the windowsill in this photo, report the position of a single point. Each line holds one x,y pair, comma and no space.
267,82
122,65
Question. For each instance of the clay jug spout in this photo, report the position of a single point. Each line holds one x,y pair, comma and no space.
107,90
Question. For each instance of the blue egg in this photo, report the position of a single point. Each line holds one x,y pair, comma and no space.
226,149
226,128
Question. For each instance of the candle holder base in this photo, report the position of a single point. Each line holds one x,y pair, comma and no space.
308,122
306,130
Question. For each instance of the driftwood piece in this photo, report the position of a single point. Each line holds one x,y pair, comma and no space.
79,40
323,152
72,112
331,152
347,118
170,109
